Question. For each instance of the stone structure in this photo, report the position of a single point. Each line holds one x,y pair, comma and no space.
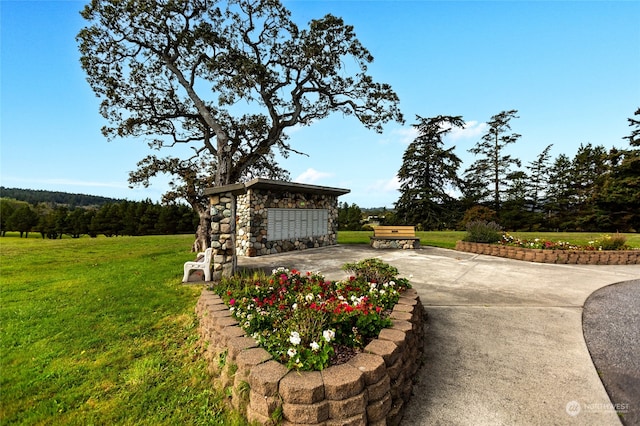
581,257
370,389
264,216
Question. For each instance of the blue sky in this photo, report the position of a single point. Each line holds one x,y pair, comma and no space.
570,68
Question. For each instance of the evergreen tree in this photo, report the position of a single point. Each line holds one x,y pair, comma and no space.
538,180
514,214
560,194
487,175
590,168
428,175
619,197
349,217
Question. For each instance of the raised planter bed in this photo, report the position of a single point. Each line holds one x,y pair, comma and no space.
581,257
369,389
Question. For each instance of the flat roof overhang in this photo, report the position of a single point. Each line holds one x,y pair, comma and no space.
276,185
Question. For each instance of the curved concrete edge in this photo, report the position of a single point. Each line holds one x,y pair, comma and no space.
611,328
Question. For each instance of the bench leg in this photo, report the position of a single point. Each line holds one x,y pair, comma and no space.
185,277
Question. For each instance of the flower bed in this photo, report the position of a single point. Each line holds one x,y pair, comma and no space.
554,255
244,343
605,242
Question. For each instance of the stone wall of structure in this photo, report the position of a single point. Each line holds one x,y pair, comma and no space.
252,209
583,257
370,389
222,234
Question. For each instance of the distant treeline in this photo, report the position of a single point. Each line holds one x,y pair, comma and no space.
35,196
110,218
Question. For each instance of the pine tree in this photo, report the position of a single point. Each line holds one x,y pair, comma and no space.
428,174
493,166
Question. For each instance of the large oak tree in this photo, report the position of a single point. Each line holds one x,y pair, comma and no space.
224,78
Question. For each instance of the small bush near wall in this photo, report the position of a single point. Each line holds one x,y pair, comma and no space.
481,231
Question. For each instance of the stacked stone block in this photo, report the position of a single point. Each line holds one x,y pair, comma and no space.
370,389
581,257
223,226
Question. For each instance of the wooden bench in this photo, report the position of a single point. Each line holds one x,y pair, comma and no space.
403,237
202,262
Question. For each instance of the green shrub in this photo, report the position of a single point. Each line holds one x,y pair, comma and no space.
617,242
481,231
372,270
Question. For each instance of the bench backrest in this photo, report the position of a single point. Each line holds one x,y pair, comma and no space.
394,231
207,255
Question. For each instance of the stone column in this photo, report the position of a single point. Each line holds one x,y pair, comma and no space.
223,238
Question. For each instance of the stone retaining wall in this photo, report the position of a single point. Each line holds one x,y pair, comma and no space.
394,243
370,389
582,257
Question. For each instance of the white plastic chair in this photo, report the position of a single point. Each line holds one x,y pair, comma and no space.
204,265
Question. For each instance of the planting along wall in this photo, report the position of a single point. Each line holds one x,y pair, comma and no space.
582,257
370,389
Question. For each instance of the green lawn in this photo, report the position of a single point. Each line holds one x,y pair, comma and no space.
101,331
447,239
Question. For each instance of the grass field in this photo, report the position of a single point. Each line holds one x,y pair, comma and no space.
101,331
447,239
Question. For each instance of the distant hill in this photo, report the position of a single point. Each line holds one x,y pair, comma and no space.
34,196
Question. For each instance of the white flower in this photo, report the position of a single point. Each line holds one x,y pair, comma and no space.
295,338
314,346
373,286
291,352
328,335
309,297
294,306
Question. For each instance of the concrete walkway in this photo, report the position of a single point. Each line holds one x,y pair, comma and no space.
504,340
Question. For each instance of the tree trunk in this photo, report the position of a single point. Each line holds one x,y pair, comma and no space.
203,233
